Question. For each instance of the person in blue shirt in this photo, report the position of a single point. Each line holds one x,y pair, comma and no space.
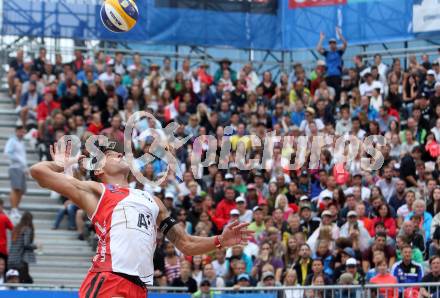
23,74
120,89
298,114
419,209
333,60
319,184
406,270
82,74
365,107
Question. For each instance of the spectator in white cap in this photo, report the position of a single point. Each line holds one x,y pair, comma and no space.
245,215
428,86
229,179
354,229
12,276
268,279
129,78
308,223
234,215
327,226
257,225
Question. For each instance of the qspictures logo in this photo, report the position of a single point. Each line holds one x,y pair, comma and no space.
247,6
298,151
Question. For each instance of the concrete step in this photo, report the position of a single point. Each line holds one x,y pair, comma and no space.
37,207
30,152
51,268
84,260
40,200
56,241
5,176
44,215
49,236
7,131
4,123
6,105
55,233
32,192
31,184
58,277
74,285
6,99
4,162
10,116
62,259
56,251
48,224
43,264
7,110
49,211
25,206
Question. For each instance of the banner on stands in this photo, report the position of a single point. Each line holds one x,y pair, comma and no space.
257,24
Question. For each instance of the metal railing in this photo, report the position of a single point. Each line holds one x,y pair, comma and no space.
156,56
362,291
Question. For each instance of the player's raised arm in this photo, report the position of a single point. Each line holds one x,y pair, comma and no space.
341,37
50,174
319,47
233,233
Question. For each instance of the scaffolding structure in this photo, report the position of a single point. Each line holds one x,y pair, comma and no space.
56,18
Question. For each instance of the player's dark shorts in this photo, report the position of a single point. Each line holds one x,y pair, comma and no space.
109,285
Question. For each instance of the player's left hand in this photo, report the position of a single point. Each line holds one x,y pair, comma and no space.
235,233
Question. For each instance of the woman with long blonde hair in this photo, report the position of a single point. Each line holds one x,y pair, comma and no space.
291,280
282,202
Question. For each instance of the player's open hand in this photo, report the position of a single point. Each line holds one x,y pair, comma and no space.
235,233
61,153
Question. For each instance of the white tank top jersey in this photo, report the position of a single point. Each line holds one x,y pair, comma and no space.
125,224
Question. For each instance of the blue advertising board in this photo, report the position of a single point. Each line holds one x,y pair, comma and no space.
257,24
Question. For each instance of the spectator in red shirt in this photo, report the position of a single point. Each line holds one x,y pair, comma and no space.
224,207
204,76
386,217
5,224
45,108
95,125
384,277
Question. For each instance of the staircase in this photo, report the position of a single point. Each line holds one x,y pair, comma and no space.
62,260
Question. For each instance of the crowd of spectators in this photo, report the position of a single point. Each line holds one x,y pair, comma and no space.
331,224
